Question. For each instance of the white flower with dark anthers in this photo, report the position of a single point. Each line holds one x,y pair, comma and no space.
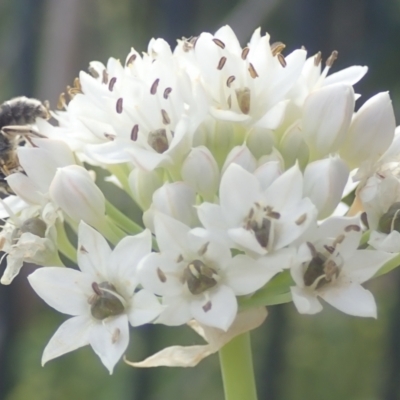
141,113
259,213
330,266
27,238
101,297
198,278
244,85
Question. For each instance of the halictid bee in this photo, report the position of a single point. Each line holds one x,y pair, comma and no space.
16,117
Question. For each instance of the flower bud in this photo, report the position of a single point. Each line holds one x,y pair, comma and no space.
174,199
260,141
293,147
324,181
327,114
143,184
242,156
200,171
74,191
371,131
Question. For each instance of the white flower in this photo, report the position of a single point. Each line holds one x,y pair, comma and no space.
331,267
257,212
198,278
101,297
245,85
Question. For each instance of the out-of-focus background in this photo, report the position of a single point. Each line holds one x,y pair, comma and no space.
330,356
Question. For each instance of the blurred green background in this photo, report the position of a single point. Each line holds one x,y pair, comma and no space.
43,45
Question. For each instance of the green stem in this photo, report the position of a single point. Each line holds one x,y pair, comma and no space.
121,171
111,231
237,369
122,220
63,243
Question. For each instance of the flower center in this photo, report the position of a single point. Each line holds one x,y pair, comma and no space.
321,269
35,225
105,302
158,140
260,221
199,277
390,221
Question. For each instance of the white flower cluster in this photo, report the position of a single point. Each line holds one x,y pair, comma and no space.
239,159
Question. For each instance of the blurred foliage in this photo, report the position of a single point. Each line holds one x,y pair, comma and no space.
328,356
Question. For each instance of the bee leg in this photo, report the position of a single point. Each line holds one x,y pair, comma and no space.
20,130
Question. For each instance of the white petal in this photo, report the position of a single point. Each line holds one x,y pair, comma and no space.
109,153
171,234
245,275
158,274
144,309
64,289
13,203
127,254
93,252
350,75
75,192
211,217
246,239
25,188
371,131
218,311
286,190
109,339
324,181
176,200
352,299
238,191
305,302
384,242
176,311
364,264
327,114
71,335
